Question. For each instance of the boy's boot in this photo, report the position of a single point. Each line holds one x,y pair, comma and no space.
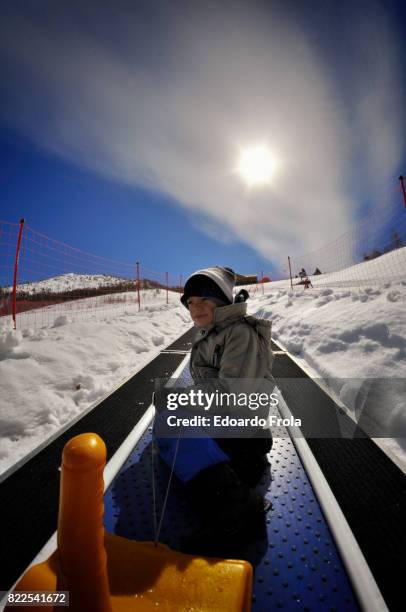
248,456
231,512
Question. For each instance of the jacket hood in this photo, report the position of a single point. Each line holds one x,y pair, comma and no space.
225,315
263,327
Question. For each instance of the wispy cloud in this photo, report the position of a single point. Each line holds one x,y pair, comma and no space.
165,101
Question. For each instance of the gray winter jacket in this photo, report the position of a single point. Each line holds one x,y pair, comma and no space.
235,345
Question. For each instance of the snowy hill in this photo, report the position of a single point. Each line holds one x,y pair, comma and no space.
70,282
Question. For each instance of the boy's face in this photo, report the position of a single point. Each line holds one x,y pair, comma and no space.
201,310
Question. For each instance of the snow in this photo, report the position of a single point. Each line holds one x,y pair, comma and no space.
345,338
386,268
70,282
53,372
49,376
332,329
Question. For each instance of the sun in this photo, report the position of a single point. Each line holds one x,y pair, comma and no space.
256,166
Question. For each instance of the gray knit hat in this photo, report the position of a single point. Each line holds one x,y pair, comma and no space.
214,283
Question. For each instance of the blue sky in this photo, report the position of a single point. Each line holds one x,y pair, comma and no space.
122,123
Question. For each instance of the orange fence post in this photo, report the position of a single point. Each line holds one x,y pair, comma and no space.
20,235
138,285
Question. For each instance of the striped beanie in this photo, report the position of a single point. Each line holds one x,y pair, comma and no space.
215,283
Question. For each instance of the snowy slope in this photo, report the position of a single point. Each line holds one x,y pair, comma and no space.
347,336
48,376
344,337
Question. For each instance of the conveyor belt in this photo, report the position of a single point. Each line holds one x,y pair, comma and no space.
296,563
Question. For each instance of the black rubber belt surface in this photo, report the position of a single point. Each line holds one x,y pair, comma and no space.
29,496
184,343
369,487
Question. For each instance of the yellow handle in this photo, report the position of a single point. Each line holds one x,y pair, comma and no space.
82,556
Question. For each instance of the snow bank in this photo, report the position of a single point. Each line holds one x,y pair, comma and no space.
9,340
49,376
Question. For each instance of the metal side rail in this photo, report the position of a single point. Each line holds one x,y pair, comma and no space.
296,562
369,487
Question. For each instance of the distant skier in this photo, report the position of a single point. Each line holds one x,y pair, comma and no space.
219,473
307,283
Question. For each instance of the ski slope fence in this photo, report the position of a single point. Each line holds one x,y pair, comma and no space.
361,256
42,279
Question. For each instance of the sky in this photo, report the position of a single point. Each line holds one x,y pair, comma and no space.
122,123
